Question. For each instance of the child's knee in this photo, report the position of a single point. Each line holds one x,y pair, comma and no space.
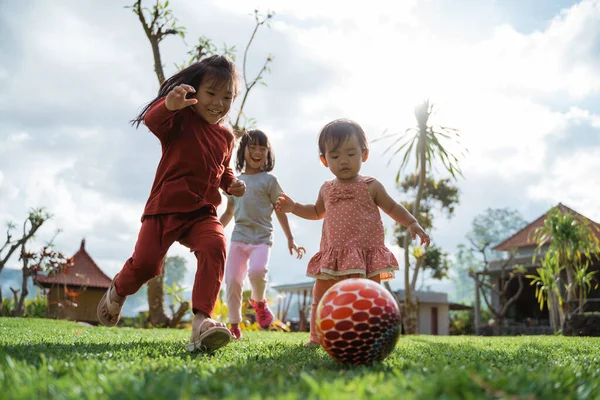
145,268
257,275
214,245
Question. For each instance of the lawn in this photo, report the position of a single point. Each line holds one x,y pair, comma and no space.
56,359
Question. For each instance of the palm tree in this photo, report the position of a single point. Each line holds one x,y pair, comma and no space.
573,242
547,287
424,143
583,283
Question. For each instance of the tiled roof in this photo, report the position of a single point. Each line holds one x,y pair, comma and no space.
524,237
83,273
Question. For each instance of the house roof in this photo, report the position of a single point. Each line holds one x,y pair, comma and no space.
524,237
83,273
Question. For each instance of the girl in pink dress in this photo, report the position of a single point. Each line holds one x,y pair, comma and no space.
352,241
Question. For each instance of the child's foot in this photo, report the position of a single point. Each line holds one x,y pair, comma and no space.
236,332
208,335
110,305
263,314
311,343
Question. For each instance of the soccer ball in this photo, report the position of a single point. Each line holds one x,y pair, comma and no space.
358,321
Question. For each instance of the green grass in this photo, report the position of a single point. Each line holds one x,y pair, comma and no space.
56,359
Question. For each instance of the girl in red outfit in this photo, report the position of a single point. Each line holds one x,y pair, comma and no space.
186,117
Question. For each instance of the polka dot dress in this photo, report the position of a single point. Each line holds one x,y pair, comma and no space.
352,240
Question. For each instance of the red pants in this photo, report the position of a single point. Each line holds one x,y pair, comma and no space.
319,289
201,232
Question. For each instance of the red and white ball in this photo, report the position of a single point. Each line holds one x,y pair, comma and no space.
358,321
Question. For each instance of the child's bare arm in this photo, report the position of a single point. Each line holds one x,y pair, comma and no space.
307,211
397,211
227,215
285,226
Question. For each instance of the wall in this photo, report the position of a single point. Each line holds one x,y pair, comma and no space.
443,318
87,304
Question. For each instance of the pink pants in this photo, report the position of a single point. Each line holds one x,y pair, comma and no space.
321,286
240,256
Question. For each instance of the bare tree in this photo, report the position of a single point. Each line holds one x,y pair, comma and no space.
487,289
46,260
34,221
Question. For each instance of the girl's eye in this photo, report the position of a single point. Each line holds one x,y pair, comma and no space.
228,98
210,93
351,155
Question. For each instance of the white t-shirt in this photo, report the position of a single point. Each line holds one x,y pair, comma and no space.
253,211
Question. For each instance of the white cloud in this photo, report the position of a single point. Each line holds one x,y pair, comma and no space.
573,180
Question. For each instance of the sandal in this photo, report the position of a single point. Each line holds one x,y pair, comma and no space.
112,308
211,339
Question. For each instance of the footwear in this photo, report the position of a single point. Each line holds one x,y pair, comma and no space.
208,338
264,316
108,307
236,332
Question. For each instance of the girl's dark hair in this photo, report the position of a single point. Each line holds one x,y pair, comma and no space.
338,131
257,138
218,68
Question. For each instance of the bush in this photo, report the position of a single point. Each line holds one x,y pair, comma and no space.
36,308
462,323
7,307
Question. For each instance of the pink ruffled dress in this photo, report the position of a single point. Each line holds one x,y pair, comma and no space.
353,240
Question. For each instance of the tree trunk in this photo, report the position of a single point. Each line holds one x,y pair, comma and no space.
156,306
581,300
20,305
571,295
179,314
552,309
411,308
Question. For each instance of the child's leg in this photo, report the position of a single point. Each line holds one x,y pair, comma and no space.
146,262
154,239
235,272
257,273
206,239
259,261
319,289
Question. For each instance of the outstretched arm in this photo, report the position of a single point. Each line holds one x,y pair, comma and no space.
160,117
285,226
307,211
397,211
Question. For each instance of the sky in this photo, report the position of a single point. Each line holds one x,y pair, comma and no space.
520,80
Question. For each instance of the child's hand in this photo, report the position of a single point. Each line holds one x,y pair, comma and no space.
284,203
237,188
299,250
176,98
416,230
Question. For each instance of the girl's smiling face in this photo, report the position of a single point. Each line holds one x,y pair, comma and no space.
255,156
345,160
214,100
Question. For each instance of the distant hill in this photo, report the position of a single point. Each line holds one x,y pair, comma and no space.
14,278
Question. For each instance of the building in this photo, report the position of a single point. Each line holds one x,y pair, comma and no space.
433,315
75,294
525,315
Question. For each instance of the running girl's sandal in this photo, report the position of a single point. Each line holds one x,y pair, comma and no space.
210,339
112,308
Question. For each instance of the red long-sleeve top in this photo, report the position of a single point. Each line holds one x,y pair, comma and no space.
194,163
